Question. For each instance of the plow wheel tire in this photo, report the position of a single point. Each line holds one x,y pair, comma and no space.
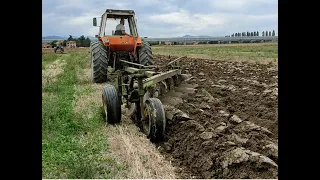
154,123
111,104
145,54
99,62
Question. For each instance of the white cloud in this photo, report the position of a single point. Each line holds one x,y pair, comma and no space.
187,21
210,24
229,4
235,5
158,18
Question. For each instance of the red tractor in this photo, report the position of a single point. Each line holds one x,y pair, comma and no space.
110,49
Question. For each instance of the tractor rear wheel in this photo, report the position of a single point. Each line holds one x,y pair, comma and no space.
145,54
99,62
111,104
154,122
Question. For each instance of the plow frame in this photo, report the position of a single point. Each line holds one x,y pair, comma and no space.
134,81
143,78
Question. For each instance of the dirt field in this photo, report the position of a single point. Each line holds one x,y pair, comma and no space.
233,130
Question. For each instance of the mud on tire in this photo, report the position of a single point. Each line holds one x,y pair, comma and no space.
145,54
154,126
99,62
111,104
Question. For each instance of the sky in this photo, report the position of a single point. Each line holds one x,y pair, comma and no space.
162,18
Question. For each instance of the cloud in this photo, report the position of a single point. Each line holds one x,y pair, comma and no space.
159,18
235,5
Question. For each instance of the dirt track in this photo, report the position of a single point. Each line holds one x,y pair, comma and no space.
233,130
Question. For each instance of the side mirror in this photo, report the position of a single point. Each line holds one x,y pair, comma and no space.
94,21
97,36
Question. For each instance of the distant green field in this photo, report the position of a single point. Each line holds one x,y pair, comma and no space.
261,52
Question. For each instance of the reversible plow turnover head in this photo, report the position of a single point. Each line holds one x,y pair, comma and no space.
140,88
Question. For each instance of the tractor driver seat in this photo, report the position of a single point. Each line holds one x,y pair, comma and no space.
118,32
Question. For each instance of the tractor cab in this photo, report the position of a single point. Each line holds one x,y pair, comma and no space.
114,47
115,16
116,41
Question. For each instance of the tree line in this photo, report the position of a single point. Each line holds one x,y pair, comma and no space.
255,33
81,41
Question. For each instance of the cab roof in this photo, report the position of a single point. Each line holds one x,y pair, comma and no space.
115,13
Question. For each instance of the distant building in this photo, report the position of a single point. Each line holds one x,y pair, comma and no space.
46,45
71,44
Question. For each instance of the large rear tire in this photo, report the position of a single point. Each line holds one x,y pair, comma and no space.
145,54
111,104
154,123
99,62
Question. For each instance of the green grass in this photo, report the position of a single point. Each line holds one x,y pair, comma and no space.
49,58
222,52
72,146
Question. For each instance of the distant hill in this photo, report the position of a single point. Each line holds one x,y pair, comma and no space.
90,37
65,38
189,36
53,37
94,38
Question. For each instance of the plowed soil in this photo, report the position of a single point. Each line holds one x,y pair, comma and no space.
233,127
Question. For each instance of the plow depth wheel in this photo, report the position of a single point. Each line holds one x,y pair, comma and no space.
154,122
111,104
